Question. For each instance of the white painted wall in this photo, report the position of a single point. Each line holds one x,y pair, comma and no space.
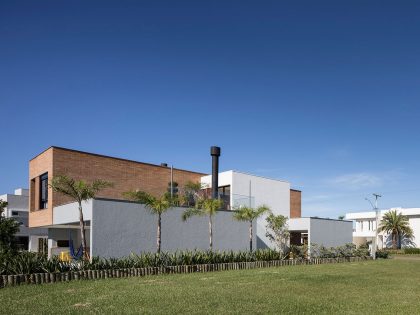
326,232
120,228
69,213
264,191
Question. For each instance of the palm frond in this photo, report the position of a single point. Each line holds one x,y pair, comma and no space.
190,212
138,196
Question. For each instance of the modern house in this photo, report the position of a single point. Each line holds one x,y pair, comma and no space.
365,227
17,208
117,227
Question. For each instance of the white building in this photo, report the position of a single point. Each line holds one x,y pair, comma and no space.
250,190
243,189
17,208
365,226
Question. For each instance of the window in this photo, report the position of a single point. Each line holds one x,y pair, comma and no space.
224,191
62,243
15,213
43,191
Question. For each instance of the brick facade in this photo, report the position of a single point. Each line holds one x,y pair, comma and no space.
124,174
295,203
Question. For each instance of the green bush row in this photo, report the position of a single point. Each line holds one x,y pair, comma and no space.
26,263
403,251
347,250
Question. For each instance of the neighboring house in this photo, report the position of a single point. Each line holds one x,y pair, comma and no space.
17,208
116,227
365,226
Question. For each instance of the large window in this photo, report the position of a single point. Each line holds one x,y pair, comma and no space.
43,191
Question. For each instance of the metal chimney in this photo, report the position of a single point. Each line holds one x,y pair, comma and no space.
215,153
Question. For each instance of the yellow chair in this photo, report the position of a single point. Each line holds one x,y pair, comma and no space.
65,256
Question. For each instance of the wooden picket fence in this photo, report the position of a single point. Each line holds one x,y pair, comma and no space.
40,278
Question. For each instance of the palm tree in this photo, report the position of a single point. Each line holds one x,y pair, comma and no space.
250,214
396,224
205,207
155,205
79,191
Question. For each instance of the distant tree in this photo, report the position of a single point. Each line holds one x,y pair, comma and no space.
341,217
79,191
277,231
205,207
396,224
8,228
250,214
191,193
156,206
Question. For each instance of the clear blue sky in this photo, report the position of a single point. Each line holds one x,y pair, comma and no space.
323,94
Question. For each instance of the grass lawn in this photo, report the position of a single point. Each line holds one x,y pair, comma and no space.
376,287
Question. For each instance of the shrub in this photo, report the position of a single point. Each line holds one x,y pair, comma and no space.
411,251
382,254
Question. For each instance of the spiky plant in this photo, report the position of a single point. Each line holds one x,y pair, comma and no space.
156,206
79,191
396,224
250,214
204,207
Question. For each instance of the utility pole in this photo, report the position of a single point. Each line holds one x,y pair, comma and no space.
172,182
375,240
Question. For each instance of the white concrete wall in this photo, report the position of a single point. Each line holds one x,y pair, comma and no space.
69,213
415,225
330,233
264,191
120,228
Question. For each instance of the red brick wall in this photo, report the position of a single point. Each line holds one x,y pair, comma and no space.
295,203
124,174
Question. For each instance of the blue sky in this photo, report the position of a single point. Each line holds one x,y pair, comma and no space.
324,94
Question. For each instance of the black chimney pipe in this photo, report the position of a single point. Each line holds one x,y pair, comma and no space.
215,153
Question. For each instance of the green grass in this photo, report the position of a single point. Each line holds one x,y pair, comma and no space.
374,287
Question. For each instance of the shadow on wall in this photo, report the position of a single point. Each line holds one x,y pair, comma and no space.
261,244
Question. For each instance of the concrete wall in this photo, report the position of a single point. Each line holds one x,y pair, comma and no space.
415,225
330,233
120,228
69,213
264,191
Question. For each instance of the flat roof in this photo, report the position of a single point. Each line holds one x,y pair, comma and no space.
317,218
250,174
112,157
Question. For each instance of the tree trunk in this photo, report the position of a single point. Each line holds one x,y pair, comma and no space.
158,233
394,240
82,232
211,232
250,236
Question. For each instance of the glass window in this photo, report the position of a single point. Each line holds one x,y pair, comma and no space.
43,191
15,213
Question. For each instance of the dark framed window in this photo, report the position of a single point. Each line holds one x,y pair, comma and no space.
224,190
63,243
15,213
43,191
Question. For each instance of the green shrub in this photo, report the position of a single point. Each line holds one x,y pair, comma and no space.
26,262
382,254
411,251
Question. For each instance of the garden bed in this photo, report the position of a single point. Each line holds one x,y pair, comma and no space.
41,278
